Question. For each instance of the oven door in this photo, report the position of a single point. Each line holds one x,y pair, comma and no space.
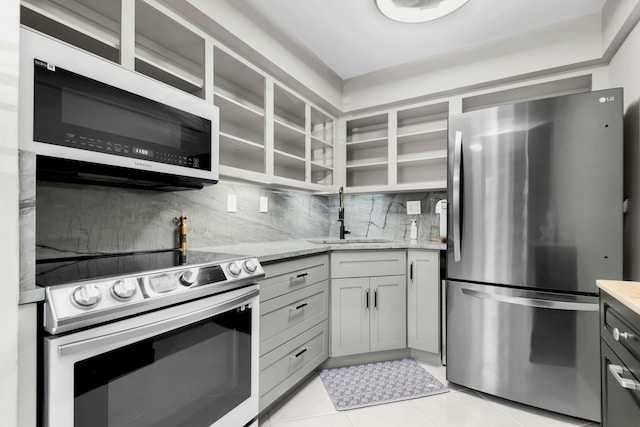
194,364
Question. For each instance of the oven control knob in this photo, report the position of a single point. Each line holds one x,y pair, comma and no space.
234,269
250,266
188,278
86,295
123,289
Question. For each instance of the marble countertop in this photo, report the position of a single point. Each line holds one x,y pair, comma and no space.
627,293
283,249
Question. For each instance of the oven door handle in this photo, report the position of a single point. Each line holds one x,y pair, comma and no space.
156,327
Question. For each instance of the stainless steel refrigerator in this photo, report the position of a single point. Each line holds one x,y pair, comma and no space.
534,219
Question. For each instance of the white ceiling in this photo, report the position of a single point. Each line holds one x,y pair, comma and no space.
353,38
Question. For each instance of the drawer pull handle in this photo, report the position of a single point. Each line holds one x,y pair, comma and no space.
298,354
299,276
303,305
617,335
617,371
375,299
366,298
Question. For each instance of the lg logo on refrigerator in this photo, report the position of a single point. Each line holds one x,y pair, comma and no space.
606,99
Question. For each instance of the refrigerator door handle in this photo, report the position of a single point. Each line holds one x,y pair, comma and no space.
457,177
533,302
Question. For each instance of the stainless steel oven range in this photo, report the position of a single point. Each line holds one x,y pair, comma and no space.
150,339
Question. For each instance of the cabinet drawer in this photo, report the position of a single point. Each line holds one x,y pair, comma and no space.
620,327
287,276
620,374
286,365
285,317
368,263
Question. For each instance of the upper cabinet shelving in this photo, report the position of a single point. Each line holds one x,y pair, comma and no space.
239,93
422,146
289,122
368,151
402,150
321,147
91,25
167,51
268,133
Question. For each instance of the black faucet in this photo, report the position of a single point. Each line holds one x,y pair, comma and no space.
341,215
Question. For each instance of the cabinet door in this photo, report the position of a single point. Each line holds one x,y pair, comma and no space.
388,312
350,299
423,301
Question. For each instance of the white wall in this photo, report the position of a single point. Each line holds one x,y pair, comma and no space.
624,71
534,53
9,287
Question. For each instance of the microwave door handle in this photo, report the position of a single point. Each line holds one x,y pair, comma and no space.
154,328
456,208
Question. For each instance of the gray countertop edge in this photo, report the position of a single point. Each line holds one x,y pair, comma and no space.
279,250
31,296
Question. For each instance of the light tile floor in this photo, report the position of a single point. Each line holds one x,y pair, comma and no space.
311,406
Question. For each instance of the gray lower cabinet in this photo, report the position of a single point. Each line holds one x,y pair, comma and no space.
423,300
294,325
368,313
620,363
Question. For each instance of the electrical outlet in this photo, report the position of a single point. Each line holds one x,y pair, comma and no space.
264,204
232,203
413,207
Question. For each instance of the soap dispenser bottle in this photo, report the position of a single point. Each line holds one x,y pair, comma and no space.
413,230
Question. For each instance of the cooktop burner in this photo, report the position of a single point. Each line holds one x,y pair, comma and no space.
89,290
58,271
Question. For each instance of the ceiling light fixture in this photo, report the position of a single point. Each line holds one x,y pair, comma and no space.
415,11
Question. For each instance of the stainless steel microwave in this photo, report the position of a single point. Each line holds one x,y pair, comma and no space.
89,120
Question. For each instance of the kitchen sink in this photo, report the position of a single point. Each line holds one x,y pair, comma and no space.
346,241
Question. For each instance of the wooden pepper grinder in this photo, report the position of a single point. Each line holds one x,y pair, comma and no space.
182,232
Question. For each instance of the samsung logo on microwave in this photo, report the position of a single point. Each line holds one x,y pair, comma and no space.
145,165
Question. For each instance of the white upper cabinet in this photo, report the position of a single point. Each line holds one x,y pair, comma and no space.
401,149
367,152
239,92
167,51
91,25
268,133
421,141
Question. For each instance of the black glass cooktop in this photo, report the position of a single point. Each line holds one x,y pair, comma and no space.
51,272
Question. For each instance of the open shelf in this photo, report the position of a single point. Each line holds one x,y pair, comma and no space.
289,109
91,25
240,153
288,139
321,154
321,127
240,121
288,166
167,51
321,174
426,171
237,81
366,155
375,128
422,145
367,175
368,151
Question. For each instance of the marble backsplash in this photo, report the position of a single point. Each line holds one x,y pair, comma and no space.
83,219
384,216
